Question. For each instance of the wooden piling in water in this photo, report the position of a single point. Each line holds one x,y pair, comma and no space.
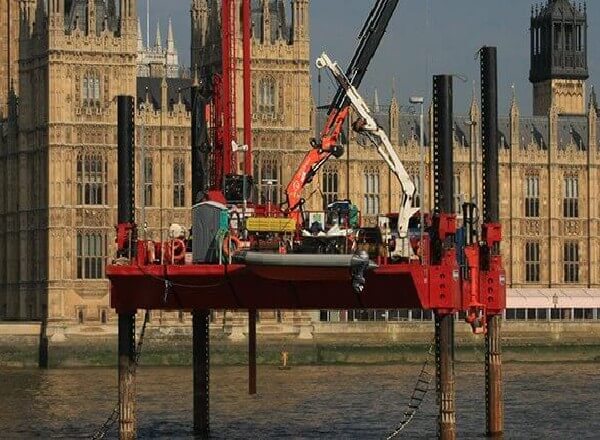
443,174
126,221
127,419
444,346
491,215
201,367
494,401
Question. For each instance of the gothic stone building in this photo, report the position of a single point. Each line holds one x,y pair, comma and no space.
156,60
58,147
58,143
58,154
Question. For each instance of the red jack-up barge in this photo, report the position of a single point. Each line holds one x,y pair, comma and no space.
434,281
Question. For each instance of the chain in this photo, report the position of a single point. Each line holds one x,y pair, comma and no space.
114,415
418,395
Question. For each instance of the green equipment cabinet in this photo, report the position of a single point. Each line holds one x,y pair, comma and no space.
210,225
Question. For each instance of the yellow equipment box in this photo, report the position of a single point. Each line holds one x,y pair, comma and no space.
270,224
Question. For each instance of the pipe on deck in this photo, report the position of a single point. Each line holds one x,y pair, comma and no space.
305,260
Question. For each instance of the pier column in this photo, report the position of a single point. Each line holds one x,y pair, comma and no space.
444,346
491,215
493,379
252,351
201,365
443,174
126,220
127,421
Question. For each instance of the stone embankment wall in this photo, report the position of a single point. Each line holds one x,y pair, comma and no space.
320,343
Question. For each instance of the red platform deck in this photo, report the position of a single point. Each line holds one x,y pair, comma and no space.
257,287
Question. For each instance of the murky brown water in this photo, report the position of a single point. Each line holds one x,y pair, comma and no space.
554,401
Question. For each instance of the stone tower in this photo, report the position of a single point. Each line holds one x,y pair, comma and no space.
157,60
58,173
559,57
9,52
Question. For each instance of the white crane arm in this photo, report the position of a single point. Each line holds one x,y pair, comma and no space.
380,139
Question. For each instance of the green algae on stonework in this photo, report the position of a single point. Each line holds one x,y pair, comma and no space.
104,354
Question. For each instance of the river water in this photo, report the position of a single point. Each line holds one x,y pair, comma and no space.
549,401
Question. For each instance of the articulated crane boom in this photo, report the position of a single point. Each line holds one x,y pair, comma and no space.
328,144
367,125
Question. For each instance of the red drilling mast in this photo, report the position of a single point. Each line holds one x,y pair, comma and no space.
228,92
247,59
224,163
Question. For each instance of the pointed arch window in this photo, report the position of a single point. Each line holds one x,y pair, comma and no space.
92,252
571,262
269,186
90,90
557,36
459,196
179,183
532,196
532,262
92,176
148,182
571,197
330,186
371,185
267,95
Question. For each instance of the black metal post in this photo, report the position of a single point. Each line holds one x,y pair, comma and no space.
126,160
126,215
489,133
200,144
201,361
444,204
443,161
491,214
252,351
200,318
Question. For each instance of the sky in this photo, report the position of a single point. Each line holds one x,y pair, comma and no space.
425,37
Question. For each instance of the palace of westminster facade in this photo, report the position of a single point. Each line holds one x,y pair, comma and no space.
63,62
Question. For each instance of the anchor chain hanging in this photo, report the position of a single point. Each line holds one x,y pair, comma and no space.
418,395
